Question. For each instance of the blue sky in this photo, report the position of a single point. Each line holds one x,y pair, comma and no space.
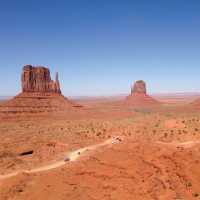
101,46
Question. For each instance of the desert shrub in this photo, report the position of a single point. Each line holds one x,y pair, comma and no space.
189,184
98,134
195,194
184,131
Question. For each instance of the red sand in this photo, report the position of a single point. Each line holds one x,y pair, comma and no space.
158,158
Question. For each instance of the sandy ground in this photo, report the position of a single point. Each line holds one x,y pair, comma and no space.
106,151
69,157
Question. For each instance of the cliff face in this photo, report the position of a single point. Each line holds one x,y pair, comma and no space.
38,79
139,95
40,95
139,88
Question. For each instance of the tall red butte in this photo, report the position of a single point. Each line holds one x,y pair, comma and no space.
139,96
38,79
39,93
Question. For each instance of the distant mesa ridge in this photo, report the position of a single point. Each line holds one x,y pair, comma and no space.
139,96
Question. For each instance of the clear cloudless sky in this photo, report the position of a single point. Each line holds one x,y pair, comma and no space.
100,47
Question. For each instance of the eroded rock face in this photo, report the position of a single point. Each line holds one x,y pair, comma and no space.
139,96
38,79
40,95
139,88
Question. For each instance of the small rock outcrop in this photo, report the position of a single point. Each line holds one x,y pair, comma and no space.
38,79
139,96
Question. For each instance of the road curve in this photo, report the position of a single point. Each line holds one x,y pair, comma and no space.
70,157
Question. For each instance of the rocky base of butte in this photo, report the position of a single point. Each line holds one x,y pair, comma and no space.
139,96
39,93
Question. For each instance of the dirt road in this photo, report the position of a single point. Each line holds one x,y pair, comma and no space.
70,157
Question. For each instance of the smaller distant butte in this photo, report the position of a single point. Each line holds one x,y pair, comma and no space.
40,94
196,103
139,96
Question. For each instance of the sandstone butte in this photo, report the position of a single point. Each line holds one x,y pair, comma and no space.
39,93
38,79
139,96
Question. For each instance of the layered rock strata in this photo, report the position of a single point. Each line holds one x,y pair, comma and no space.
40,94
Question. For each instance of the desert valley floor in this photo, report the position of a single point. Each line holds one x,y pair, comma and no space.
103,151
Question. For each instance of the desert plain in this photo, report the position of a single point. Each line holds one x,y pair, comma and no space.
102,149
